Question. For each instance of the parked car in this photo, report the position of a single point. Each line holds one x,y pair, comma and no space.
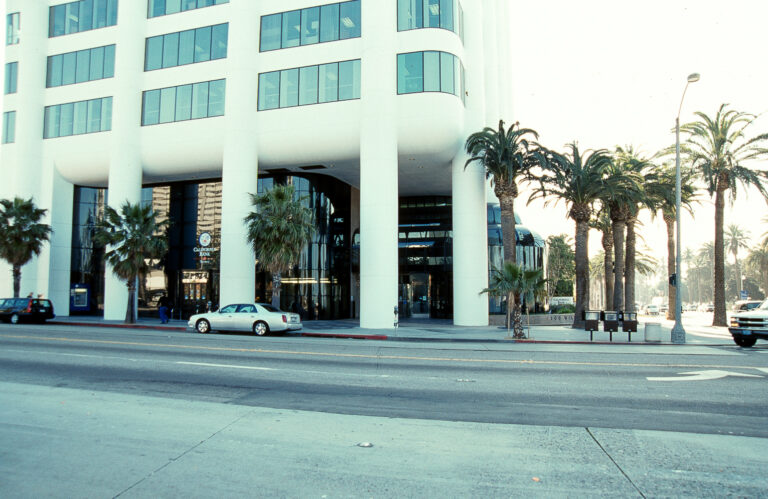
745,305
706,307
15,310
651,309
260,318
749,326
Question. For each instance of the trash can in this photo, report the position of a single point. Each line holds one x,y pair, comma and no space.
653,332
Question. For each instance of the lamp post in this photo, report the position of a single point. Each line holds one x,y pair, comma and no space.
678,333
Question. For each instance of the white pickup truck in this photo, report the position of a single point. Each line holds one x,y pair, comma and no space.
747,327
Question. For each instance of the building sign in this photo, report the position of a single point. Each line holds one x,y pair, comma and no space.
204,251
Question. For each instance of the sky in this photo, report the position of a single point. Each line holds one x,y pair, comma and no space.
612,72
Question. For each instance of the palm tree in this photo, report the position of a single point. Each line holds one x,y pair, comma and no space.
735,239
660,186
507,156
578,180
21,235
278,230
134,237
758,259
720,152
623,190
602,222
510,280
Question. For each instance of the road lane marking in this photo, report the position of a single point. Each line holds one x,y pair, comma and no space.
229,366
371,356
704,375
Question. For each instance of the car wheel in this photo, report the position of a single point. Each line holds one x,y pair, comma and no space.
260,328
745,341
203,326
14,318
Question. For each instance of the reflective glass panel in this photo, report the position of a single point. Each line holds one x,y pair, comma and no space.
203,44
289,88
170,50
187,47
349,80
431,13
109,61
11,77
83,66
52,121
269,90
71,19
200,100
183,102
97,63
308,85
310,24
86,15
410,14
81,118
219,41
12,29
447,81
154,53
68,70
54,71
67,119
216,98
410,77
106,114
94,115
167,104
291,28
270,32
329,82
349,14
431,71
446,14
329,22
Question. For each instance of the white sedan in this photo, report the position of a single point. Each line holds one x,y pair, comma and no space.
260,318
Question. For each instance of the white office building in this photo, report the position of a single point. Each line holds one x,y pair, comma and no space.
191,105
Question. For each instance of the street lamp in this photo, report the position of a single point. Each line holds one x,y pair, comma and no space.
678,333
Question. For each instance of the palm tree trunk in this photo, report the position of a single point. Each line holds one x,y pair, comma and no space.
738,274
719,318
582,272
16,280
130,310
276,285
607,241
508,233
629,268
618,263
671,293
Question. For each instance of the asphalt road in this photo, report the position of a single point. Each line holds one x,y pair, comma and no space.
570,397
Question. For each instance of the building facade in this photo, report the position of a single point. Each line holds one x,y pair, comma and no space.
180,101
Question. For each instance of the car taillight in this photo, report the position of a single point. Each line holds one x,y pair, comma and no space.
285,318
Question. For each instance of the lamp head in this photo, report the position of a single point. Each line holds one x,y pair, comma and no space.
693,77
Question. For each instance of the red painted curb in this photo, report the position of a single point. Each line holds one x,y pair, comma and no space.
123,326
379,337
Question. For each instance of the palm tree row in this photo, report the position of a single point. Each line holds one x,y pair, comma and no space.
622,183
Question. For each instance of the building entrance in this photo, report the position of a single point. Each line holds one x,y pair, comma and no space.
414,294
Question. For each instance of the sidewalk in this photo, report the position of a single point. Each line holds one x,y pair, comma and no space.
441,330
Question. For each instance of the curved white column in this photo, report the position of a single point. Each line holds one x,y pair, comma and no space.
125,169
470,223
240,168
378,167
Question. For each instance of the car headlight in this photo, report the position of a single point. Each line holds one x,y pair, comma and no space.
734,322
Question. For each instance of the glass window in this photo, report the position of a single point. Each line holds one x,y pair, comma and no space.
349,80
188,4
67,119
53,78
167,104
329,22
52,121
100,13
71,18
156,8
310,24
431,13
97,64
151,107
86,15
270,32
170,50
109,61
269,90
187,47
68,70
446,14
216,91
106,114
183,102
200,100
9,127
219,41
111,12
410,14
11,77
82,70
289,88
153,58
410,77
447,81
291,35
12,29
83,15
203,44
94,115
431,71
349,15
308,85
329,82
81,118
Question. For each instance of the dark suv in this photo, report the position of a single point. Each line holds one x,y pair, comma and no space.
15,310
